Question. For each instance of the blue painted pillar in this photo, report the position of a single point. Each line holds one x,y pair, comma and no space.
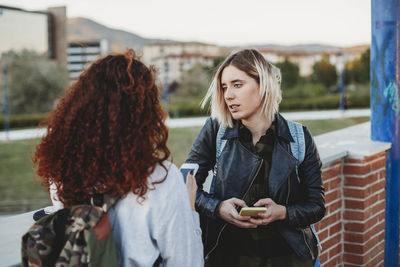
385,110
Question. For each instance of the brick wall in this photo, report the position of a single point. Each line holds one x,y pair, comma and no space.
352,232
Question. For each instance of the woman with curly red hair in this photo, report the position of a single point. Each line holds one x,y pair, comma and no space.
107,136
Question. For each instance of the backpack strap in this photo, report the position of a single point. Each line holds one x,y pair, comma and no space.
220,144
298,147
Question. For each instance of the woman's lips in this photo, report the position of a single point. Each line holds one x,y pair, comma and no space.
234,108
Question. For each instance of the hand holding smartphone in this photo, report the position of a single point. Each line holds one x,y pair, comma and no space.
191,183
187,168
252,211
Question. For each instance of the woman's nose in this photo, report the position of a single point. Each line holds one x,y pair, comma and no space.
228,93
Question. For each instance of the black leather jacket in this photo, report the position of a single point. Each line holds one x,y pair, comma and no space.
304,201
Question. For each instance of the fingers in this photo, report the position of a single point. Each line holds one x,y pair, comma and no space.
190,177
191,186
244,224
227,211
274,212
242,221
258,221
238,217
264,202
238,202
261,220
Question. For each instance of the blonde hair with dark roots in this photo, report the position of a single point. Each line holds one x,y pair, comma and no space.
257,67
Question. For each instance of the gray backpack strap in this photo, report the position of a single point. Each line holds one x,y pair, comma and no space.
220,144
298,147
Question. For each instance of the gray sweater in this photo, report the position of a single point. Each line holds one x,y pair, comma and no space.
162,224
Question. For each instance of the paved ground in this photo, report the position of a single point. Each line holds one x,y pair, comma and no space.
199,121
11,230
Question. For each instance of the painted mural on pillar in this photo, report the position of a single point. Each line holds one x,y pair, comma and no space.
379,79
385,85
391,93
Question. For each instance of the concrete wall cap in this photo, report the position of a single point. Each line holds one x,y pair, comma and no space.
354,142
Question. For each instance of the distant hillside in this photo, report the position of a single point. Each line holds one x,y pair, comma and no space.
82,29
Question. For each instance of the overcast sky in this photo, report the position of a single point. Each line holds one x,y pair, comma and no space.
228,22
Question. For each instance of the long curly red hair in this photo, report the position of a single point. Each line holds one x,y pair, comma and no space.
107,133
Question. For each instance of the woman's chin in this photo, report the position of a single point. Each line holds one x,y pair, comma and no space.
236,116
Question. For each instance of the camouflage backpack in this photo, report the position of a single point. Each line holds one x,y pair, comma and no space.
79,235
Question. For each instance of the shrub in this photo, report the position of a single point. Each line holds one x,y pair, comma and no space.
307,90
23,121
360,97
189,109
304,103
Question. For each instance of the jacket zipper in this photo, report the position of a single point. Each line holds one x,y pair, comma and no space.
223,227
287,198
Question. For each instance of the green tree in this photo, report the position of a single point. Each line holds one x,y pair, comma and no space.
358,70
216,63
194,82
35,82
324,73
290,74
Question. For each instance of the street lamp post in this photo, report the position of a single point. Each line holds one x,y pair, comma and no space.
341,68
6,109
166,86
342,90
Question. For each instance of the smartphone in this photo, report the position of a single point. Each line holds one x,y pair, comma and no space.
187,167
252,211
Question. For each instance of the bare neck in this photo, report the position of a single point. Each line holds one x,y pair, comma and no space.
258,127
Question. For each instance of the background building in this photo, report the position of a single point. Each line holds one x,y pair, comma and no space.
178,64
82,53
306,60
40,31
156,50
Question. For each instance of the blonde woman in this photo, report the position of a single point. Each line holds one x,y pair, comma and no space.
255,168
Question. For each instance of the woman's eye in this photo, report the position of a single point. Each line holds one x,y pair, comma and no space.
237,85
223,88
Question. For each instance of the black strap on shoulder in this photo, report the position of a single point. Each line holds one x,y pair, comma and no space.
60,222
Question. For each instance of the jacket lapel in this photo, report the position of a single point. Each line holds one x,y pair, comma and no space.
282,165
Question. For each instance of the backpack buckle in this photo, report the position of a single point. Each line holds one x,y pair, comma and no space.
97,200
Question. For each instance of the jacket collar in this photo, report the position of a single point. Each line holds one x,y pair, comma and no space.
282,129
